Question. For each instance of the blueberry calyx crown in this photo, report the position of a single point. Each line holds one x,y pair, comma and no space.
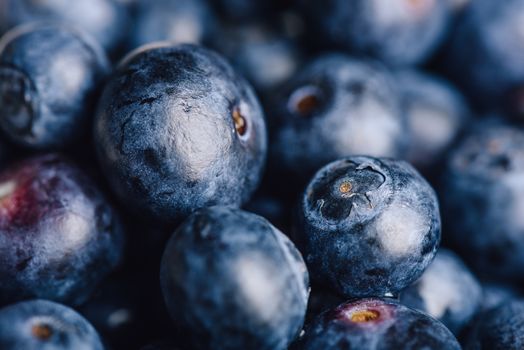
305,101
42,331
240,122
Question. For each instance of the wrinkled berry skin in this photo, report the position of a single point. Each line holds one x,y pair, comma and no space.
49,75
105,20
368,226
176,21
58,235
485,53
376,324
335,107
501,328
436,113
233,281
482,200
402,32
176,130
447,290
45,325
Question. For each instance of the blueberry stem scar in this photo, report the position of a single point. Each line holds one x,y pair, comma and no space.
42,331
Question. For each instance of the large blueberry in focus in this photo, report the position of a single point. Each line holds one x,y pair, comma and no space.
45,325
376,324
368,226
49,77
105,20
335,107
501,328
436,114
176,21
233,281
177,129
483,198
447,291
400,32
59,237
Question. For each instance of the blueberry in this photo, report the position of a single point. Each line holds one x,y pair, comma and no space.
45,325
402,32
178,21
242,10
105,20
376,324
436,114
58,235
501,328
233,281
264,55
177,130
368,226
495,294
485,54
447,291
335,107
49,75
483,199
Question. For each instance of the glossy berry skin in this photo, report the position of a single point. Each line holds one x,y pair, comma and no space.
105,20
486,51
177,129
447,290
368,226
178,21
501,328
233,281
483,197
49,79
402,32
335,107
436,113
45,325
376,324
59,237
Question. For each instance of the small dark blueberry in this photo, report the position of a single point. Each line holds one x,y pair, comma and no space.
447,290
177,130
368,226
233,281
483,199
400,32
49,78
376,324
45,325
105,20
59,237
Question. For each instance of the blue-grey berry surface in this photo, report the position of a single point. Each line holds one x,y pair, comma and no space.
45,325
368,226
176,130
233,281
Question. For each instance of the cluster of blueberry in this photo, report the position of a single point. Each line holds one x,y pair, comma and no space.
145,184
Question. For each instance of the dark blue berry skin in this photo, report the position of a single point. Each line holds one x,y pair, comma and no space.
501,328
178,21
176,130
398,32
233,281
482,200
485,53
105,20
447,290
368,226
436,113
266,57
494,295
335,107
376,324
59,237
45,325
49,79
242,10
